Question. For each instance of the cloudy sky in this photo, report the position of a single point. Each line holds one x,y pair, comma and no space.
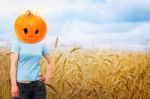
85,22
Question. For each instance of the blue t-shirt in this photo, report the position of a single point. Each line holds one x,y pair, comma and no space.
28,67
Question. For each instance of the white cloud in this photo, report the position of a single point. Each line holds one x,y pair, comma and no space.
94,21
109,10
43,7
75,33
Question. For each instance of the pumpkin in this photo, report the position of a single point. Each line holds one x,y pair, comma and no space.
30,28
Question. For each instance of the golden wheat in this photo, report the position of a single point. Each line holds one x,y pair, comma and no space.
90,74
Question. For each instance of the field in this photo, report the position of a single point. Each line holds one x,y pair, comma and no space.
90,74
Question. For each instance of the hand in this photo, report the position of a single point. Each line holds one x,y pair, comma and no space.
15,91
44,78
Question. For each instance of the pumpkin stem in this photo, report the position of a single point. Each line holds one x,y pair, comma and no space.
29,13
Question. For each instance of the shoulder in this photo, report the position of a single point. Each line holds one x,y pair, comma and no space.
15,46
43,43
16,42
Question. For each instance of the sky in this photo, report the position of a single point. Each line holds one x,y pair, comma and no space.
84,22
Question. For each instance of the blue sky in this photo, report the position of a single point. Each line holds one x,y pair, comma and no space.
88,21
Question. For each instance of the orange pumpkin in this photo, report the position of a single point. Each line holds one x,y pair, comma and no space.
30,28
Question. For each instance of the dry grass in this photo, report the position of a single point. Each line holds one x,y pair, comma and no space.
91,74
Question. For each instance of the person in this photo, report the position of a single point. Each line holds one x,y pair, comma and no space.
26,81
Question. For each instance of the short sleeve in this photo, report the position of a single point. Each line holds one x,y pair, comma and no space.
15,47
45,50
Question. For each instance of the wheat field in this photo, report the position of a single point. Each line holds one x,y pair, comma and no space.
90,74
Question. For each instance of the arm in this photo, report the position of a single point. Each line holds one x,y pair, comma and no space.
49,68
14,61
